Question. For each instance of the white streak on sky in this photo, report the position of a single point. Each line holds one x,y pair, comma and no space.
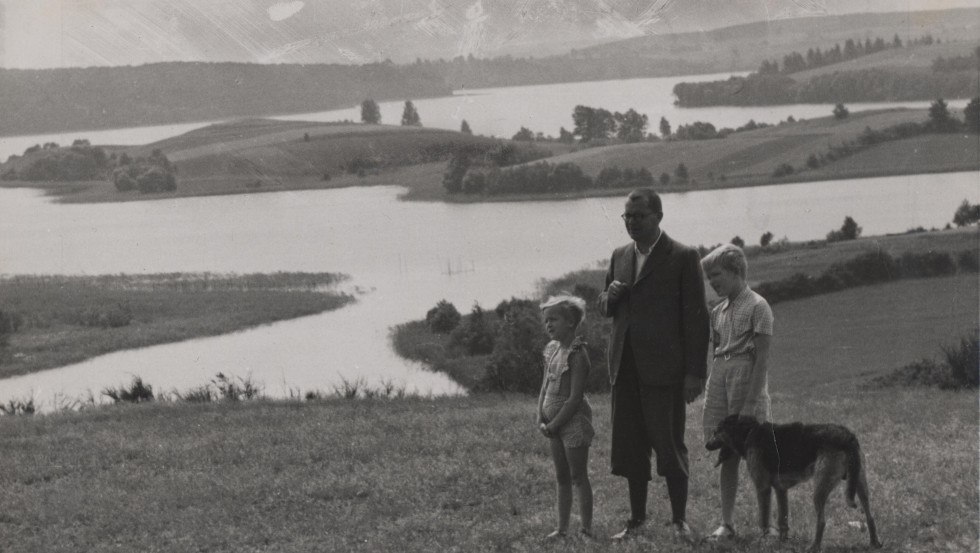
284,10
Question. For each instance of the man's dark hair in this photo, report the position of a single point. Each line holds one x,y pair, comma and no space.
650,196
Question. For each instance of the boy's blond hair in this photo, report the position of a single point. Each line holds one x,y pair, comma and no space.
572,305
729,257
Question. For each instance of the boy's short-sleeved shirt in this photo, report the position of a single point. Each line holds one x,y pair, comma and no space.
735,323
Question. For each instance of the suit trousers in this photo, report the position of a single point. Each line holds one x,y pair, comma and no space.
646,418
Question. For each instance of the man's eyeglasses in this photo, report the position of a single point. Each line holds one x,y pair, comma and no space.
635,216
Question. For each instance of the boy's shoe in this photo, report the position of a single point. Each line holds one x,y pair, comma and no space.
585,534
724,533
631,530
682,531
556,535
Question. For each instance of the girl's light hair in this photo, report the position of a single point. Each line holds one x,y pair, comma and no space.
572,305
729,257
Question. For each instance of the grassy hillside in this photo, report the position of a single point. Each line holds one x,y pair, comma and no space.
450,474
917,59
61,320
750,157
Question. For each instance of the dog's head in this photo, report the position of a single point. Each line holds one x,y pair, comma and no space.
730,436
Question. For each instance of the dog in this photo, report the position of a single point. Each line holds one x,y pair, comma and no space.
780,456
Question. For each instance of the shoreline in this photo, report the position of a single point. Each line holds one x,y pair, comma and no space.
95,192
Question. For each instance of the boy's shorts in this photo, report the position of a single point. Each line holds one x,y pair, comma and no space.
728,387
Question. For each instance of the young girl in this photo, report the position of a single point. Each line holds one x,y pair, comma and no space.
741,332
564,413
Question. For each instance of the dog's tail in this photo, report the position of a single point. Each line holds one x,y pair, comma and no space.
854,469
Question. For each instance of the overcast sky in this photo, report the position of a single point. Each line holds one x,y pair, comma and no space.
58,33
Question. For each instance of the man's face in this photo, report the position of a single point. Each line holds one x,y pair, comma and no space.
642,223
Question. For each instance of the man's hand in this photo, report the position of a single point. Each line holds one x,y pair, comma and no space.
616,290
693,386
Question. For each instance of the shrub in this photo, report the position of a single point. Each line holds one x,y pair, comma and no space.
106,316
506,307
848,231
765,239
968,262
737,241
516,364
476,334
783,170
137,392
966,214
443,317
230,390
927,264
19,407
964,361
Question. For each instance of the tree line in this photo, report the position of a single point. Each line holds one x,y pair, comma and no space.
815,57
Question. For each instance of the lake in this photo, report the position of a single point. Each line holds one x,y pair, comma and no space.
403,257
503,111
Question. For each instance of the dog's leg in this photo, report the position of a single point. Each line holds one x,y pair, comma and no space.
782,508
763,494
824,482
862,493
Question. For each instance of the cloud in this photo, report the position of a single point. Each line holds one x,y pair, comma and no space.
284,10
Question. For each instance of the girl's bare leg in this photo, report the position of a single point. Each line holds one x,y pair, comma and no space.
578,464
564,484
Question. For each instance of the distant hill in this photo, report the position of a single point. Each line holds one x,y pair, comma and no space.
124,32
36,101
895,74
751,157
49,100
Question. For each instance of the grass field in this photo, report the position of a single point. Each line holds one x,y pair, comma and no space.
457,474
65,320
472,473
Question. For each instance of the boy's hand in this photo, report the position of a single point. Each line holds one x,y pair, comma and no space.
544,430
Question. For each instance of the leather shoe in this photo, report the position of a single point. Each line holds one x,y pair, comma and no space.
631,530
682,531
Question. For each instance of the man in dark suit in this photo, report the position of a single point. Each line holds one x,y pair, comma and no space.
657,356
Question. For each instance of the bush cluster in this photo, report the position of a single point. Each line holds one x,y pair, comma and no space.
148,175
443,318
79,162
868,268
958,369
105,316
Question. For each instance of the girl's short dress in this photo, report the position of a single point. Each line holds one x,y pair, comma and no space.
578,431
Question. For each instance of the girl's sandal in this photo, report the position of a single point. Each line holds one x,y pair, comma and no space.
725,532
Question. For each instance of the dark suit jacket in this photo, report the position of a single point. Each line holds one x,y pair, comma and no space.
664,311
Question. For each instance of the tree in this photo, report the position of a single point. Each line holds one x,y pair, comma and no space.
592,123
966,214
664,178
370,112
465,128
664,128
630,125
681,172
443,318
737,241
848,231
410,116
766,239
940,119
565,137
525,135
841,112
971,116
